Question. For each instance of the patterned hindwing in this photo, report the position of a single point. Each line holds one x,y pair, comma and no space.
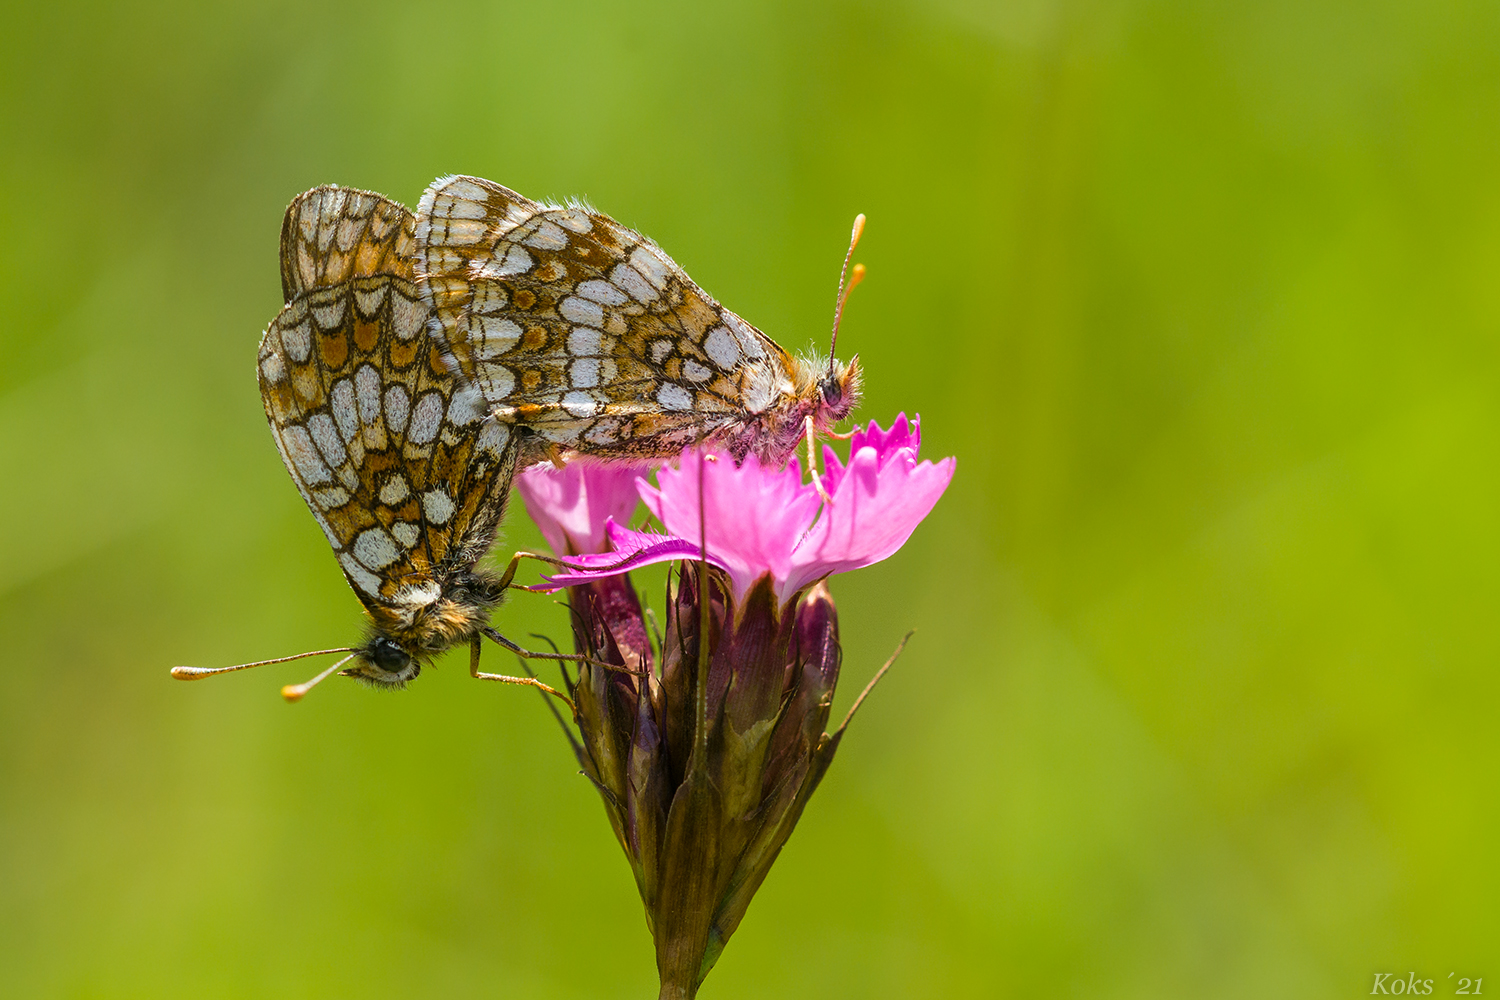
331,234
401,466
582,330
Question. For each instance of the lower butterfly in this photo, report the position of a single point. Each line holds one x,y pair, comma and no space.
398,460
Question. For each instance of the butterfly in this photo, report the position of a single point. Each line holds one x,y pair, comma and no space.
588,336
418,360
397,458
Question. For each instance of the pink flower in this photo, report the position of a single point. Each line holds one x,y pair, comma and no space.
760,521
572,505
706,745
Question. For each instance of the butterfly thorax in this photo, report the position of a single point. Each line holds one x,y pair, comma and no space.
826,393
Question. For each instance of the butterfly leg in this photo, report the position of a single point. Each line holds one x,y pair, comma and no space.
515,561
527,654
480,675
812,460
510,570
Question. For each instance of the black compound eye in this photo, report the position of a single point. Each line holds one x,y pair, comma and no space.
832,393
388,656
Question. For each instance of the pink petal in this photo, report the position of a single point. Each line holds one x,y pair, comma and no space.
833,470
755,515
886,444
874,511
760,520
572,504
633,549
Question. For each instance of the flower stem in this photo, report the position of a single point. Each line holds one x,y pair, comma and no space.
699,757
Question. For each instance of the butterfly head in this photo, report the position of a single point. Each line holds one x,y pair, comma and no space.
817,393
838,388
384,663
402,641
838,392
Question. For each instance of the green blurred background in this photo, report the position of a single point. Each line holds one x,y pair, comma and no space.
1202,295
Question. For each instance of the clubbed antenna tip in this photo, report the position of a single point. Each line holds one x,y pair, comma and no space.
291,692
854,279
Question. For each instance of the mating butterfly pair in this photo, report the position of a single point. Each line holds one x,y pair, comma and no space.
419,360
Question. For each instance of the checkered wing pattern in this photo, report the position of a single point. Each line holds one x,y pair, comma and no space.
583,331
395,456
331,234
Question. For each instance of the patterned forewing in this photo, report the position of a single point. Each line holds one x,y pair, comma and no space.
332,234
581,329
397,459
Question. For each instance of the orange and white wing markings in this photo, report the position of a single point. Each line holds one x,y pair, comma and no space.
331,234
394,454
587,334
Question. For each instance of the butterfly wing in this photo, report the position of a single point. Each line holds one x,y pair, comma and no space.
331,234
582,330
394,455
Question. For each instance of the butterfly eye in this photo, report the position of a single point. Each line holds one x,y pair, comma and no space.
832,391
388,656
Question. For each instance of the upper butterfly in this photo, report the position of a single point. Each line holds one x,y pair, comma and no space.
587,335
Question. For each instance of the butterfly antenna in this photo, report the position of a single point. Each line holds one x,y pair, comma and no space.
198,673
854,279
294,692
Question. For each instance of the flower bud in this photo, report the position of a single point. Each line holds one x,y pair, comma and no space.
703,793
707,752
